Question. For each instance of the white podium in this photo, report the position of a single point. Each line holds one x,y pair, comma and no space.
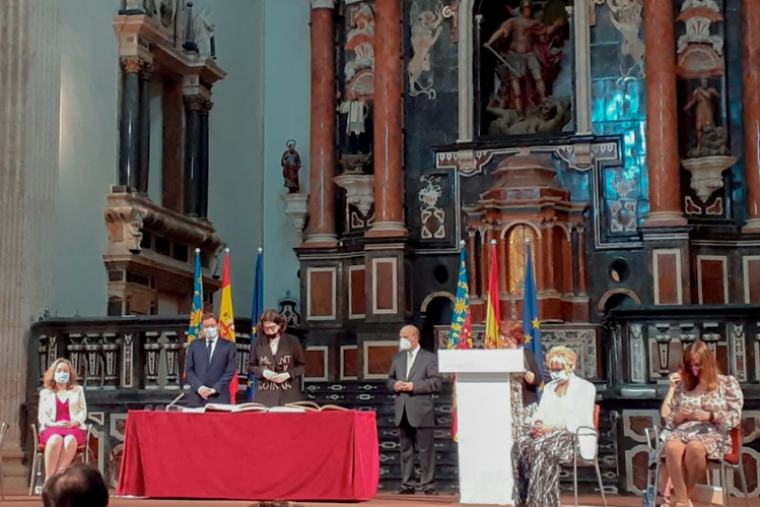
484,421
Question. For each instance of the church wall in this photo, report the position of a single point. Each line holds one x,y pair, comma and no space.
287,81
89,144
87,154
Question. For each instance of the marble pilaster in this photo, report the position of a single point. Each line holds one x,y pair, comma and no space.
30,80
204,132
663,164
751,110
146,72
322,156
193,162
129,125
389,189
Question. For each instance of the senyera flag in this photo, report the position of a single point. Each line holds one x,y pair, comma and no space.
460,333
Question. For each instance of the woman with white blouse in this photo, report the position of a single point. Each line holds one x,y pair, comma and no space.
61,413
567,404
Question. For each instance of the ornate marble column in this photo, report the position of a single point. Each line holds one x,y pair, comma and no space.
322,161
129,127
146,72
203,180
29,138
192,179
751,110
389,188
663,164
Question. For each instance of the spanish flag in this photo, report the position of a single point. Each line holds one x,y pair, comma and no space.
493,318
226,317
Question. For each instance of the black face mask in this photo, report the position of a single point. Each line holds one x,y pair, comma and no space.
272,336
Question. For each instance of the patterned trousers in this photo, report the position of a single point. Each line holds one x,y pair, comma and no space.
536,465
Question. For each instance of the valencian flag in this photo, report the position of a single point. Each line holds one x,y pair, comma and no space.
460,333
226,317
257,307
195,328
493,318
531,329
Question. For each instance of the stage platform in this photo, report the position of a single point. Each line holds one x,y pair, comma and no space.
17,499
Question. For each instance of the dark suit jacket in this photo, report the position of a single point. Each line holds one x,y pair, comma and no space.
216,375
290,358
530,391
427,381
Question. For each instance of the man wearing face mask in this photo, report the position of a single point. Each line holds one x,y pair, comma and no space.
209,366
277,361
414,378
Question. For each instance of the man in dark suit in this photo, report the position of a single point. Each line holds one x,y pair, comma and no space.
414,378
209,366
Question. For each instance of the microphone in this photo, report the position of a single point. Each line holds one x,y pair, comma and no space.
174,401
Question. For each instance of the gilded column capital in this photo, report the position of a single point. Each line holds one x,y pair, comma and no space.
206,106
323,4
194,102
131,64
146,71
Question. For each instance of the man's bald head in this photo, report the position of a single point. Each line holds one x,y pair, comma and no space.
77,486
412,334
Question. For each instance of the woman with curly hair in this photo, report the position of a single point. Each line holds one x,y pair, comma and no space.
62,411
567,405
705,406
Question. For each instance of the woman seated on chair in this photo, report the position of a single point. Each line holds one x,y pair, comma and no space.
62,412
705,406
511,334
566,410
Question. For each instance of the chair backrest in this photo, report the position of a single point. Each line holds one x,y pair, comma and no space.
597,408
735,435
36,436
3,429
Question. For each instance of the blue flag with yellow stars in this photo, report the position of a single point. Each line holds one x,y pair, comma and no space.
531,329
195,329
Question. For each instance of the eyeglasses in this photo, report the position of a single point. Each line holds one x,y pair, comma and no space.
270,328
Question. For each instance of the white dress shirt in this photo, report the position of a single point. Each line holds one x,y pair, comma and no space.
274,343
410,357
213,347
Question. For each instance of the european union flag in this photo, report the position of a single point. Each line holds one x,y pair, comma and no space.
257,307
531,329
195,328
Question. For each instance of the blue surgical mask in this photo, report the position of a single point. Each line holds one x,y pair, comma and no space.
559,375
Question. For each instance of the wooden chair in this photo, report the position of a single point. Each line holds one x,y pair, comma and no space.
3,429
733,460
83,453
586,432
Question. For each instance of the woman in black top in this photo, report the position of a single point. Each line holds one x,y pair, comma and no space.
510,332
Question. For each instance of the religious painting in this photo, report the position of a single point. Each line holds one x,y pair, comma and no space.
523,66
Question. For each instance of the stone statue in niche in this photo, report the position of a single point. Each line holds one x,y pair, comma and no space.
204,34
166,13
356,110
625,16
291,163
359,69
527,51
426,28
711,140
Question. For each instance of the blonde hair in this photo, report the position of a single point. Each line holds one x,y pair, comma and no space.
563,355
49,382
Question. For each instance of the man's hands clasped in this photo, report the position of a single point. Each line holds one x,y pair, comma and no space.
403,387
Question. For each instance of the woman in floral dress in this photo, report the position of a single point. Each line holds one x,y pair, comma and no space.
525,385
705,406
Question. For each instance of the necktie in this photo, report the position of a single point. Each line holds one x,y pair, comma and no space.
208,349
409,359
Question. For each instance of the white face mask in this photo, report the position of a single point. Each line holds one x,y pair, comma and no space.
211,333
559,375
61,377
404,344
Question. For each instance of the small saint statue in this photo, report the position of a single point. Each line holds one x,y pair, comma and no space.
204,34
291,163
703,100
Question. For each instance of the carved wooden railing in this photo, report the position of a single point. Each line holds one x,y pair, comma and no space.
124,353
642,345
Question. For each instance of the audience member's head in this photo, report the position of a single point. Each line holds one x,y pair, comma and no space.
79,485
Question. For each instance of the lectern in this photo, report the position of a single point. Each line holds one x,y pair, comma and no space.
484,421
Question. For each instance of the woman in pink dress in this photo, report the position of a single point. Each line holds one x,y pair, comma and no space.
62,412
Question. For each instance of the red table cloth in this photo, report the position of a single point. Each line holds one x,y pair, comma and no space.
250,456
